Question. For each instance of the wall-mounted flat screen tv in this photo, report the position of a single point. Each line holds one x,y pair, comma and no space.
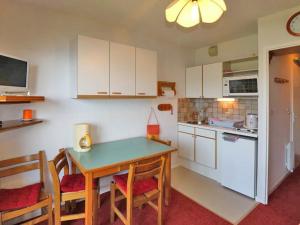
13,74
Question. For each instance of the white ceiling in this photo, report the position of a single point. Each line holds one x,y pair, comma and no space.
147,17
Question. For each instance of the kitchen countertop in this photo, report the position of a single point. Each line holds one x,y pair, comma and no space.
220,129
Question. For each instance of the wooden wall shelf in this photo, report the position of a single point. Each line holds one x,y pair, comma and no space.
165,84
9,99
15,124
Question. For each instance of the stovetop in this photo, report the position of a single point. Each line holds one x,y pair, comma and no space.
246,130
242,129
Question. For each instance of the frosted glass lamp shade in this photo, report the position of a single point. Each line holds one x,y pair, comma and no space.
174,9
189,13
210,10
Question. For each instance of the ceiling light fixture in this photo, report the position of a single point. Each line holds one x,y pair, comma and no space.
189,13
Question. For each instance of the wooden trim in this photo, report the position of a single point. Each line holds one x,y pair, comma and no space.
113,96
165,142
20,99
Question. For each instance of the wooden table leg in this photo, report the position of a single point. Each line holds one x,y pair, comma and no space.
168,179
88,199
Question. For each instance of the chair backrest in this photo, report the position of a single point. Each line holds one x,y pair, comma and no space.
23,164
56,165
144,171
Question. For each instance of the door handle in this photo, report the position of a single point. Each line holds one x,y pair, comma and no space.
102,92
116,93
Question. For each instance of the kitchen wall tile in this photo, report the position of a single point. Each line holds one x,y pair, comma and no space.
188,109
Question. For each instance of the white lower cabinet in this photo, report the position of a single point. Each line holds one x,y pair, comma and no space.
205,151
186,144
198,145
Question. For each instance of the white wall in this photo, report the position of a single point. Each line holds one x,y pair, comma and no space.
244,47
280,126
44,38
272,35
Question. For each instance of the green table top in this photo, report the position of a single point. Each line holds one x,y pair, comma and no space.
110,153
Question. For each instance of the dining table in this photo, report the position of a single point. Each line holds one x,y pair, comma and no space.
109,158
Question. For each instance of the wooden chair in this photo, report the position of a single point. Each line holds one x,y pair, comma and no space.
71,187
21,201
138,187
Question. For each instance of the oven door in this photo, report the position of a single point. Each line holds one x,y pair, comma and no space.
241,86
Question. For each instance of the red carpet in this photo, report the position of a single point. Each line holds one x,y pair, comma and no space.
283,207
182,211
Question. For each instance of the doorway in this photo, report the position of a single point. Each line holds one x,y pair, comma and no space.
284,114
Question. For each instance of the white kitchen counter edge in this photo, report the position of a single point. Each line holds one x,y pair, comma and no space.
219,129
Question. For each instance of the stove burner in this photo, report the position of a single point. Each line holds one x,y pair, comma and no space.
246,130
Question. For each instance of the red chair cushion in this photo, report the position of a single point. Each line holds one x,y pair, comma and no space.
11,199
73,183
139,187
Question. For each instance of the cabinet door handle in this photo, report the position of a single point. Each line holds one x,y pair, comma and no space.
102,92
116,93
142,93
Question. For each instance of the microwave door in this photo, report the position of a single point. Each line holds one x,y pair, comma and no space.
243,87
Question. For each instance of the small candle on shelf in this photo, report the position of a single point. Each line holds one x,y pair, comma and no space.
27,114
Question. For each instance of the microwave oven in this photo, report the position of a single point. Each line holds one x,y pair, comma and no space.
245,85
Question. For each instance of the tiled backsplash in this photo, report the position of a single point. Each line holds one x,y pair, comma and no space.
188,109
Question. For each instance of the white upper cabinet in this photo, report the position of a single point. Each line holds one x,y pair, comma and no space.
193,82
103,68
146,72
122,69
212,80
92,66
